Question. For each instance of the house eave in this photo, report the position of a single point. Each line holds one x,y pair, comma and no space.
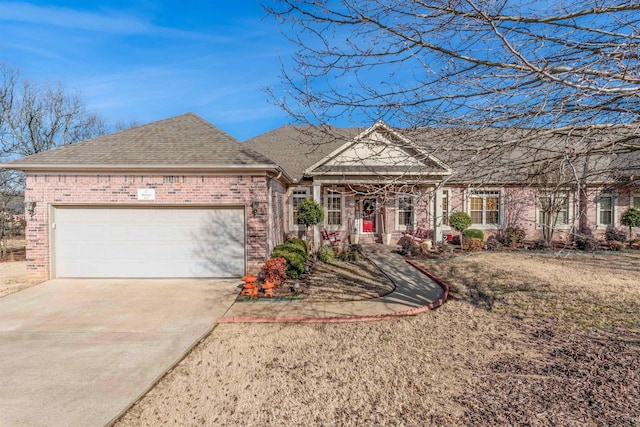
161,169
380,174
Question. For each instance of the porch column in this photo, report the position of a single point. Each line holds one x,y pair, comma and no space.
437,216
317,197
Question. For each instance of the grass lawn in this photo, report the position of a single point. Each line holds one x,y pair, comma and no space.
524,340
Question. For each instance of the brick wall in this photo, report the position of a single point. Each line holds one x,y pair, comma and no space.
237,190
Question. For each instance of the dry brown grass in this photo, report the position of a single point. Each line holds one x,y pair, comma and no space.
526,340
346,281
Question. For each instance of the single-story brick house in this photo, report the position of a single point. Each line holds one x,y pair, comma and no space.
180,198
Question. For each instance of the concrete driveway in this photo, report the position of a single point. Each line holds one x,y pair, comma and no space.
77,352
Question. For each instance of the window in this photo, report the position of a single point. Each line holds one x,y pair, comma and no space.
484,207
551,204
605,209
334,208
297,196
404,212
445,208
635,201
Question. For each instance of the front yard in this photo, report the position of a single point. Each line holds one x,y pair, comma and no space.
524,339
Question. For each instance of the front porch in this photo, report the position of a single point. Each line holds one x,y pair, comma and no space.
369,215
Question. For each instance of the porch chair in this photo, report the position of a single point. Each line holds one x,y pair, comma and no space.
419,235
333,238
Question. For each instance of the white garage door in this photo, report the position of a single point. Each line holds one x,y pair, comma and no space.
148,242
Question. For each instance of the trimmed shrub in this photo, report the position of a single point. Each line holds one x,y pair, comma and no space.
296,253
460,221
310,212
275,270
326,254
475,244
631,218
473,233
300,245
513,235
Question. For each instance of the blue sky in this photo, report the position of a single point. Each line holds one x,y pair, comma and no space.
149,60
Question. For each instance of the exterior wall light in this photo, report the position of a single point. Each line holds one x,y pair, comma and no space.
30,207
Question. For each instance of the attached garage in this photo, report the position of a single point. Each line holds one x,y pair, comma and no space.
147,242
173,198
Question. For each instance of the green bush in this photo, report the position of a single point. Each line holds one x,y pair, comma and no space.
298,244
473,233
460,221
296,253
631,218
326,254
310,213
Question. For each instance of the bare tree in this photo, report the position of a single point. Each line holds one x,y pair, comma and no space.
36,117
10,200
568,69
552,185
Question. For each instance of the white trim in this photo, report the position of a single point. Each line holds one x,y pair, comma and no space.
470,193
333,193
401,227
613,197
380,125
304,193
446,193
570,214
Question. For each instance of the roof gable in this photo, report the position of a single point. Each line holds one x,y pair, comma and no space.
379,150
185,142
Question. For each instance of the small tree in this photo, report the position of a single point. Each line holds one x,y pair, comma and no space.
310,213
460,221
631,218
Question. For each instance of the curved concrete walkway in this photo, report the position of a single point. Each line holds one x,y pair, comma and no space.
415,291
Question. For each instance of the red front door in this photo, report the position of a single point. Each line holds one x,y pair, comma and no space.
369,215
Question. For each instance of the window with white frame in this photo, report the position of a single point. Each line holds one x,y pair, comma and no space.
605,209
297,196
635,201
554,204
484,207
404,212
445,208
333,203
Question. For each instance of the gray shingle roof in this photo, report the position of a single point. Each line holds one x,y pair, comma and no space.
295,148
479,156
185,141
